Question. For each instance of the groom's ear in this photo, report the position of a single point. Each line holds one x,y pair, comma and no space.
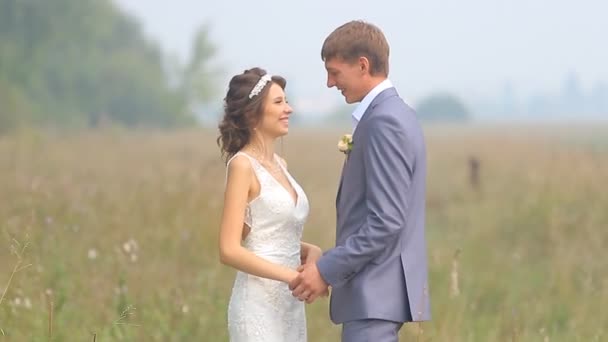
363,64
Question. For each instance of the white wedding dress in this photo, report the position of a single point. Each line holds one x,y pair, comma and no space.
261,309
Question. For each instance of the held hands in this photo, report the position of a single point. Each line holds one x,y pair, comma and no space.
307,256
309,284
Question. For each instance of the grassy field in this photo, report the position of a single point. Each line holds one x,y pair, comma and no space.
113,235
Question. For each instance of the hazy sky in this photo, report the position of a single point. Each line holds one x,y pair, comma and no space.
470,47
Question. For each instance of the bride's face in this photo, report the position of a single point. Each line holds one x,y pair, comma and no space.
275,119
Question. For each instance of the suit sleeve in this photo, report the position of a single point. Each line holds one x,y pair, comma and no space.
389,163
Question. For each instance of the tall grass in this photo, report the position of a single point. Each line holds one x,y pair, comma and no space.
122,234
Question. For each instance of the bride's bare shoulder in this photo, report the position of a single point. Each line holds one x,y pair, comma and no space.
239,164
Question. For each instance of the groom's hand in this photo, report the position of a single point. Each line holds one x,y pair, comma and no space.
324,294
309,284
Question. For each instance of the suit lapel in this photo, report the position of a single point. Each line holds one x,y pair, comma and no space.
383,95
341,180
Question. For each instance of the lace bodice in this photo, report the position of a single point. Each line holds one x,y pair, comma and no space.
276,221
263,309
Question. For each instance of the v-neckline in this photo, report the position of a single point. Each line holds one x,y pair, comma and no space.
295,200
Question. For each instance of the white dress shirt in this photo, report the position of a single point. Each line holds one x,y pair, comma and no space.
367,100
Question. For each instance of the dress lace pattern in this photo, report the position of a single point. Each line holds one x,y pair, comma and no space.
261,309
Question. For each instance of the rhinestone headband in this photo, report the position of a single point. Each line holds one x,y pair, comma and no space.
260,85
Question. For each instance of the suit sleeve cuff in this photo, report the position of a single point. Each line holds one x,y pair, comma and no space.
330,271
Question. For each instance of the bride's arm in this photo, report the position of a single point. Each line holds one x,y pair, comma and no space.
309,252
231,230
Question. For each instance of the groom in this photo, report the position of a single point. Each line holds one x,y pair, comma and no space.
378,269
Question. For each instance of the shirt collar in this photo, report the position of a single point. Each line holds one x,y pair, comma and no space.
367,100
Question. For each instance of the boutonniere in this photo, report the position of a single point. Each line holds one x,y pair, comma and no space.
345,145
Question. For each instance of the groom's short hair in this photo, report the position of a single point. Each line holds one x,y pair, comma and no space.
358,39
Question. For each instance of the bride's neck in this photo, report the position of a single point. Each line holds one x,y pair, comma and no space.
262,147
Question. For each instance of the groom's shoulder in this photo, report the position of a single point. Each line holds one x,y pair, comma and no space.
390,97
393,106
393,114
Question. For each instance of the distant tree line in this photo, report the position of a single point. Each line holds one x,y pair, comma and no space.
80,63
442,107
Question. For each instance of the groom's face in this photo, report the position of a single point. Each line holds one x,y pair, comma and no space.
347,77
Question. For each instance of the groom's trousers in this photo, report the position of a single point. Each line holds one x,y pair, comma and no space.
370,330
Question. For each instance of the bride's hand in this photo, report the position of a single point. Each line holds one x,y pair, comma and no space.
313,254
293,274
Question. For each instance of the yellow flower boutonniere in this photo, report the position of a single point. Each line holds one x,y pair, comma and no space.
345,145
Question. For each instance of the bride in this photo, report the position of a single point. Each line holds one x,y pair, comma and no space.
264,213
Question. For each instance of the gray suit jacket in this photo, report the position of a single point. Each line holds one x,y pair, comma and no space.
378,269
